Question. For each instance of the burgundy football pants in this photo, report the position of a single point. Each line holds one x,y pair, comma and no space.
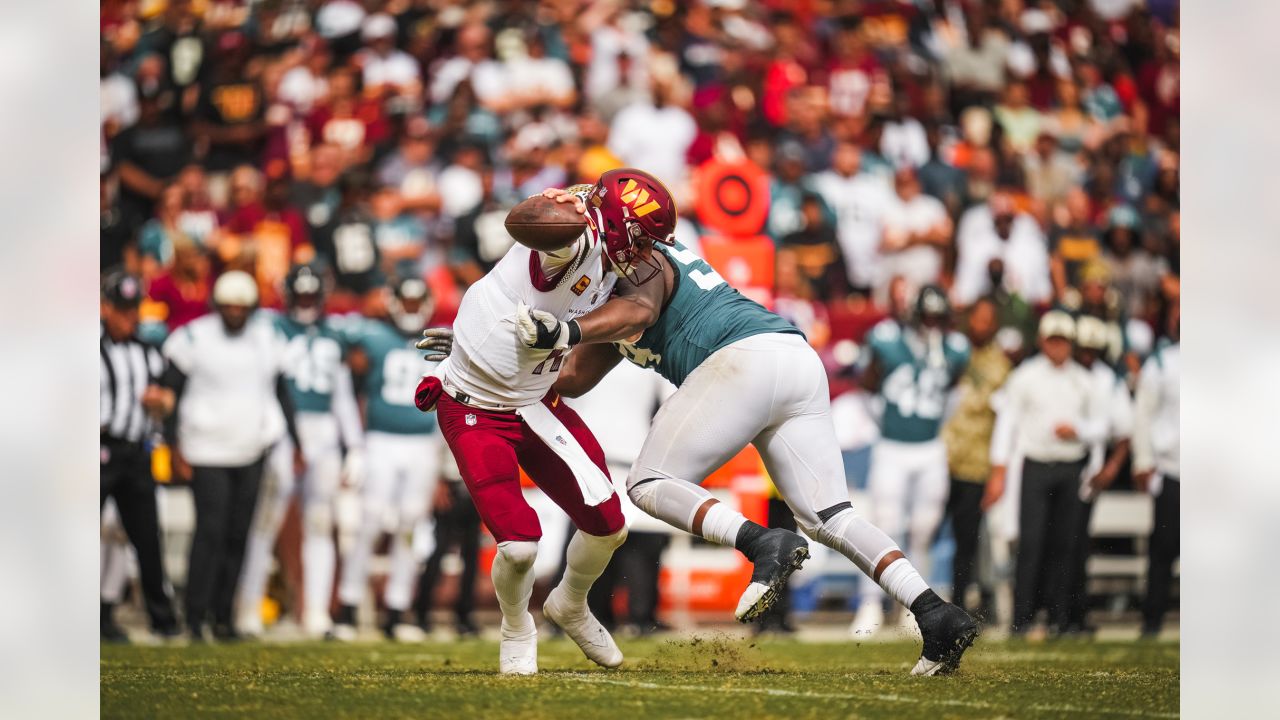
490,447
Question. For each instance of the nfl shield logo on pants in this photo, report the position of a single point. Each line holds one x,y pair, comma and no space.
470,418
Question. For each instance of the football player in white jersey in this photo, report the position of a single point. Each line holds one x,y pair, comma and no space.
493,398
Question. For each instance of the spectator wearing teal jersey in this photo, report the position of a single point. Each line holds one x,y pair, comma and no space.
404,450
910,366
328,420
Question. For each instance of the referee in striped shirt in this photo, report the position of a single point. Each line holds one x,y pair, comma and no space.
130,398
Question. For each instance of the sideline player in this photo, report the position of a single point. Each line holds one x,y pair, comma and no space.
320,384
404,456
744,376
912,362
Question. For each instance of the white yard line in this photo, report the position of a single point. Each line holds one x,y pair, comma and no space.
874,697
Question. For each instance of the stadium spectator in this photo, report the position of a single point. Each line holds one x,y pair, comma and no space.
917,233
131,400
183,289
457,529
858,199
151,153
997,231
232,404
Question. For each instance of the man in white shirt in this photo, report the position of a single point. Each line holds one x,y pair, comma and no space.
655,134
859,199
1046,418
384,66
996,231
917,231
1093,338
1156,466
226,371
473,62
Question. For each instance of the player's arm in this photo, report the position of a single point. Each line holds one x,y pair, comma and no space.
631,310
585,368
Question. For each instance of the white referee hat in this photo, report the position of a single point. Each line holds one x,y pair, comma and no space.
235,287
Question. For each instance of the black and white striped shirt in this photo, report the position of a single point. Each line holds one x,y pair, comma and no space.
128,367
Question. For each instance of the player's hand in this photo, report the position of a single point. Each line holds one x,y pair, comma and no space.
1142,480
561,195
443,499
437,343
1065,431
540,329
353,468
994,489
299,462
180,469
1101,481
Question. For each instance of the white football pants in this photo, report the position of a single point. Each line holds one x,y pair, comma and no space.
771,391
402,475
319,487
908,487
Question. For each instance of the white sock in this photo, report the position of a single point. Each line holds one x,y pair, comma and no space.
318,559
355,566
679,504
513,581
399,591
866,545
115,571
586,559
257,566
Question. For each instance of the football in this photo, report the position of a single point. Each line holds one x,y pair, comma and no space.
543,224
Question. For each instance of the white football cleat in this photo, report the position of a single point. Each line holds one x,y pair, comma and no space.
316,624
342,632
584,629
518,652
249,625
408,633
868,620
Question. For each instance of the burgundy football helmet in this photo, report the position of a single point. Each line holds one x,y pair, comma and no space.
635,210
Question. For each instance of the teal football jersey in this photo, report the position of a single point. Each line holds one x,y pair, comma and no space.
313,360
914,388
395,367
704,314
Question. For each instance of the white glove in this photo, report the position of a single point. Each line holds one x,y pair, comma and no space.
353,469
540,329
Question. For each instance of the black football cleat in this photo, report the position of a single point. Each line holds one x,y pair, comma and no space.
948,631
776,554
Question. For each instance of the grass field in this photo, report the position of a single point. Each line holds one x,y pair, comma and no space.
707,676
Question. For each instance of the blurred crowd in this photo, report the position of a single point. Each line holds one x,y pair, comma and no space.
1020,153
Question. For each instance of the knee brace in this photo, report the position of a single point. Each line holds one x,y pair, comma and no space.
837,528
611,541
518,554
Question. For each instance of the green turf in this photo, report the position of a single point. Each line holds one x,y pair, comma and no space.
708,676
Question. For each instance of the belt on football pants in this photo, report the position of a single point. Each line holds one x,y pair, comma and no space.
452,391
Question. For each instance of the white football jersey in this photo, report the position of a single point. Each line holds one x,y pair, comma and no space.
488,362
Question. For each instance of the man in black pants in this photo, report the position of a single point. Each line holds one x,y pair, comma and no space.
1157,468
1048,412
457,524
968,438
226,371
130,399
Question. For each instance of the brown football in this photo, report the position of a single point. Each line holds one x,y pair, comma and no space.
543,224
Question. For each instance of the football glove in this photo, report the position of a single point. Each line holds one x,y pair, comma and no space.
437,342
353,468
540,329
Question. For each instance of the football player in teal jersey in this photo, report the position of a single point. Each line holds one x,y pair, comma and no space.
404,449
328,419
744,376
911,362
